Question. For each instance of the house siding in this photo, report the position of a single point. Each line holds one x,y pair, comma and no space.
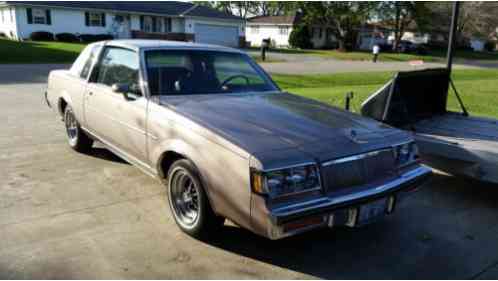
268,31
71,21
8,26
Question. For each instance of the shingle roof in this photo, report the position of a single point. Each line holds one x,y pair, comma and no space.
169,8
293,19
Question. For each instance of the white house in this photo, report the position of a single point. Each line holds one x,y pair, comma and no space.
279,28
168,20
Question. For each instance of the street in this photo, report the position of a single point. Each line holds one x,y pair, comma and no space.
65,215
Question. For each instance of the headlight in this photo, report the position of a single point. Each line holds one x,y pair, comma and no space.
406,154
286,181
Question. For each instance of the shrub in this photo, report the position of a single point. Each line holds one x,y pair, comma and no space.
300,38
66,37
102,37
489,46
2,35
41,36
89,38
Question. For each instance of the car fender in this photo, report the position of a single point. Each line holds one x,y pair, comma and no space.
186,151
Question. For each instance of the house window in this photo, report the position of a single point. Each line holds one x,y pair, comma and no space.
254,29
283,30
155,24
1,14
95,19
11,15
320,33
39,16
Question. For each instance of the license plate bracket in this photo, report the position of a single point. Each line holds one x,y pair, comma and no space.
372,211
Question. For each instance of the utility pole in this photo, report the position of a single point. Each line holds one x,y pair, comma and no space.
453,35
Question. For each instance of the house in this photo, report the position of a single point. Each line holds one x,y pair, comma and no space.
279,28
167,20
371,34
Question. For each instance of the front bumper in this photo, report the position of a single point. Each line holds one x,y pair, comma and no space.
344,206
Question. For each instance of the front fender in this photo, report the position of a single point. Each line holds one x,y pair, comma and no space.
225,174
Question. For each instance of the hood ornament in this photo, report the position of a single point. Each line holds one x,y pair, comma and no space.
353,136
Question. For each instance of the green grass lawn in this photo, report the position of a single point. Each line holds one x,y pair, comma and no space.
478,88
432,56
38,52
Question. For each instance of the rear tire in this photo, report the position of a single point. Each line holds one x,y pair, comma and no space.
76,137
189,203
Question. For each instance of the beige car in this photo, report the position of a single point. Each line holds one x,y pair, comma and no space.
228,143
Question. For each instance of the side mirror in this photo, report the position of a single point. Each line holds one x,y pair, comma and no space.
124,89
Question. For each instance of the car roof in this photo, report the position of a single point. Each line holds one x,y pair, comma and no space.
145,44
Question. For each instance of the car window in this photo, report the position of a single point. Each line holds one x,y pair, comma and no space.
118,66
88,64
83,63
235,70
183,72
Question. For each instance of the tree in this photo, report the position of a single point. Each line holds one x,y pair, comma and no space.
300,37
399,15
342,18
476,19
274,8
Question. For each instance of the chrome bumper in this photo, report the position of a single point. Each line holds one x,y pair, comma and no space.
327,206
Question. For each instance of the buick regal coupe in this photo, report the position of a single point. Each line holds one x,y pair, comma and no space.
228,143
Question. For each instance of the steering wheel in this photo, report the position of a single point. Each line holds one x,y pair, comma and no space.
225,82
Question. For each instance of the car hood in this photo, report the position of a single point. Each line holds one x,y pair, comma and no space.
266,122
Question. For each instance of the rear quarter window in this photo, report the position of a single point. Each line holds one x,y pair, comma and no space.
81,67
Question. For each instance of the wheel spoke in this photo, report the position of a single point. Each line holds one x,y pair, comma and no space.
185,195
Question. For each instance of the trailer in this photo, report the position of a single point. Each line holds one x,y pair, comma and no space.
453,142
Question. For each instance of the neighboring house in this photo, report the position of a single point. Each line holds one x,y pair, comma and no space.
279,28
371,34
168,20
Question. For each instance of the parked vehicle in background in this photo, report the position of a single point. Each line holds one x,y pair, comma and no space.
228,143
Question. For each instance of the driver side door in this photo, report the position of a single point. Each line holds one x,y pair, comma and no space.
116,120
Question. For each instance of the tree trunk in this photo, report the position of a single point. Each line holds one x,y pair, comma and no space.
396,27
342,44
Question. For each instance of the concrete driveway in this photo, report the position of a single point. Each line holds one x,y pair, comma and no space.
74,216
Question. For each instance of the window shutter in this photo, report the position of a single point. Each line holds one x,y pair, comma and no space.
87,19
154,24
103,19
168,22
141,22
29,13
49,18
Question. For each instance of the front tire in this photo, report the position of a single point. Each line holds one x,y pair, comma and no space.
77,139
189,203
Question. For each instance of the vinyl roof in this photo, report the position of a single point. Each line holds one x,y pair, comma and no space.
138,44
167,8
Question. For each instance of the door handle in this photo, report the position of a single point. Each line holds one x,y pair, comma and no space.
90,93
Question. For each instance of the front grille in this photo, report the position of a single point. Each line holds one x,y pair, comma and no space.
357,170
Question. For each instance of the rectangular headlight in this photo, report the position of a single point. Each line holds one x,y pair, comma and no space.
287,181
406,154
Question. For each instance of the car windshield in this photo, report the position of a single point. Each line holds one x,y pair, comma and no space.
184,72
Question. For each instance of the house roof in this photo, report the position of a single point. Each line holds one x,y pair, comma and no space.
167,8
292,19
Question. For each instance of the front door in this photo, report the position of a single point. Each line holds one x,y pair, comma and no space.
118,121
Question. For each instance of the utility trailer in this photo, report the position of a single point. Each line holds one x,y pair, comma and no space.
453,142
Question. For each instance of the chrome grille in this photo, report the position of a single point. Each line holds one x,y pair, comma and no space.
357,170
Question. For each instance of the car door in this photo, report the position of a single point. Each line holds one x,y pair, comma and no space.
117,120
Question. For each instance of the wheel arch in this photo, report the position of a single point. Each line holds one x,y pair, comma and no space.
63,101
177,150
